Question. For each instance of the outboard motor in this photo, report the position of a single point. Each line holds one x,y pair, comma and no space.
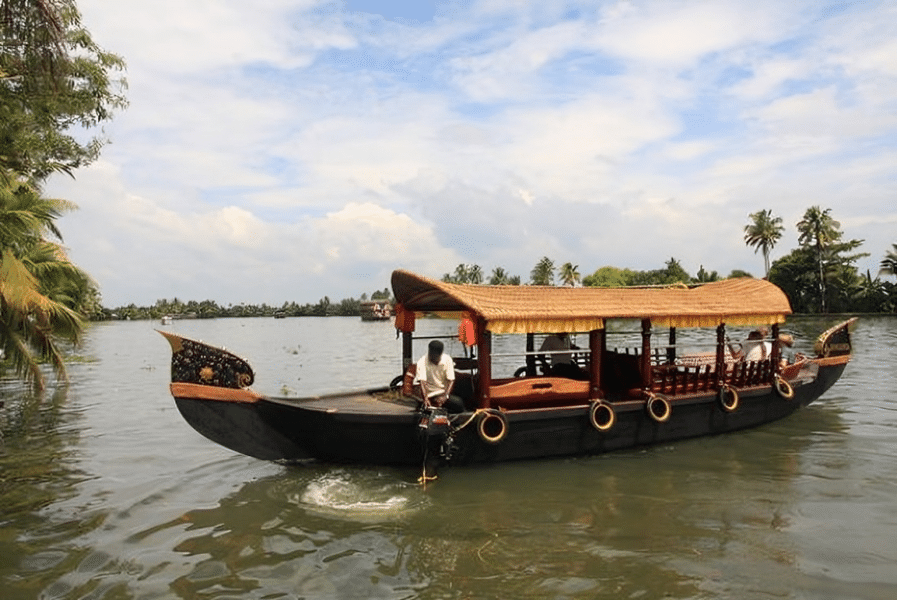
436,440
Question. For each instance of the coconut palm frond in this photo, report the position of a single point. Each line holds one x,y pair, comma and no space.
16,349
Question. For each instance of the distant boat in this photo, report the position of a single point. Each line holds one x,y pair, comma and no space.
280,314
376,311
646,392
167,320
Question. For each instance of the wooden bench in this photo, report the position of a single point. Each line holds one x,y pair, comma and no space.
538,392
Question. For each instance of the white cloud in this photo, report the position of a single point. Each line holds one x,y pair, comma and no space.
280,142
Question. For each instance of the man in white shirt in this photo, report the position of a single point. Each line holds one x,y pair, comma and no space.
755,347
436,376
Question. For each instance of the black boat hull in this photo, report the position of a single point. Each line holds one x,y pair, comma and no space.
360,428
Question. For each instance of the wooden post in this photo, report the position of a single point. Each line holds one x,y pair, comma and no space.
646,352
596,346
776,350
407,359
671,351
484,362
720,354
530,358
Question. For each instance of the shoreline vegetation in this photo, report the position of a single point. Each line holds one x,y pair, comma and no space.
818,277
863,295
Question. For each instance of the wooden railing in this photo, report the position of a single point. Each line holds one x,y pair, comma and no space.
680,379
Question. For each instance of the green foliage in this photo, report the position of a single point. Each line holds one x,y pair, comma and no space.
55,84
473,274
705,277
672,273
799,275
763,233
543,272
609,277
54,87
888,264
41,292
569,274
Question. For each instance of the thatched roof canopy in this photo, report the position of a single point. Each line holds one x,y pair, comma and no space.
532,309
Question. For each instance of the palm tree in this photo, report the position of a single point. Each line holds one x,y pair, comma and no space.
889,263
763,233
570,274
39,286
543,272
819,230
475,274
499,276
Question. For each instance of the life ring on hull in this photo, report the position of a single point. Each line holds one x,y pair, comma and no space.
728,398
658,408
783,388
492,426
602,416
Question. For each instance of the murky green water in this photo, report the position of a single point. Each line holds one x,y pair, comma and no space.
105,492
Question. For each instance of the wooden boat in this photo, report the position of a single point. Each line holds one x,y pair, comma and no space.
375,310
646,393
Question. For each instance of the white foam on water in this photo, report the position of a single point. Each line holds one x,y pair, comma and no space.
355,496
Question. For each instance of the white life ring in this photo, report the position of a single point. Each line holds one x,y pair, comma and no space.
602,416
658,408
492,426
728,398
783,388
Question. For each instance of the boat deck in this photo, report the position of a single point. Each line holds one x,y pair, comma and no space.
372,402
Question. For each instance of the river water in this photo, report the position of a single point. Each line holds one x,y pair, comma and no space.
105,492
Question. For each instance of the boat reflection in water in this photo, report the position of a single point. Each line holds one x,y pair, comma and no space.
648,393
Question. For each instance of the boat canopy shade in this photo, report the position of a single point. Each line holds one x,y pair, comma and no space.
548,309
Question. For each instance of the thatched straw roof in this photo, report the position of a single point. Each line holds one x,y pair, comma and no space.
531,309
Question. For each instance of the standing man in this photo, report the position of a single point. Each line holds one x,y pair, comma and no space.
436,376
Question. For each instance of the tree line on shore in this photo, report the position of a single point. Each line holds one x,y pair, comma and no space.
819,276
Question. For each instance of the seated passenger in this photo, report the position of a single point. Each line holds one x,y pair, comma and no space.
560,363
756,347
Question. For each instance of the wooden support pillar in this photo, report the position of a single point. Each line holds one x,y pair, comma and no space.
407,358
646,352
671,351
720,354
596,349
530,357
776,350
484,363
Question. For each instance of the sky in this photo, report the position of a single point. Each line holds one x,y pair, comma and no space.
288,150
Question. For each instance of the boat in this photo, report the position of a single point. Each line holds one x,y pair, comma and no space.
645,379
375,310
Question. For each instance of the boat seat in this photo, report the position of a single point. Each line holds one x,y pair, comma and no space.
537,392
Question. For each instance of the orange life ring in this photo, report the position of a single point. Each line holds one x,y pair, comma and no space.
602,416
658,407
492,426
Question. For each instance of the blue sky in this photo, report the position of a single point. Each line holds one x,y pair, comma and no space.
287,150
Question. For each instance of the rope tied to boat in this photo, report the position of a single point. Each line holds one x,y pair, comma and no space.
436,422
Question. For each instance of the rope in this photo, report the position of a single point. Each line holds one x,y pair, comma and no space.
424,478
